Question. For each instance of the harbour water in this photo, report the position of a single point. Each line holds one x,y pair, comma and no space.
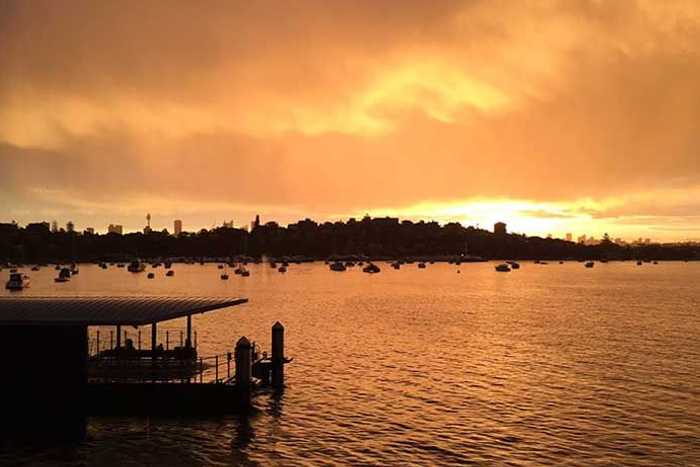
550,364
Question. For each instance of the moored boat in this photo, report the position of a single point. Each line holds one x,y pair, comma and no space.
17,281
136,266
337,266
503,267
63,275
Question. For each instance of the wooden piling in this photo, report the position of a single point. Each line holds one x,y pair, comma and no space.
278,355
243,370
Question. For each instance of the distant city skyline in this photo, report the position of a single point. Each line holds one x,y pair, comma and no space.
176,227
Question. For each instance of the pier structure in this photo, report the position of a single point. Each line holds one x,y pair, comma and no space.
56,375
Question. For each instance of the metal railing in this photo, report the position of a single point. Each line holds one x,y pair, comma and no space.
214,369
169,338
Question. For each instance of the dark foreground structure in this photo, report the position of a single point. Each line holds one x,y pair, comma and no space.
55,375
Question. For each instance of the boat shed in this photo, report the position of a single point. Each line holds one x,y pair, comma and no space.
44,353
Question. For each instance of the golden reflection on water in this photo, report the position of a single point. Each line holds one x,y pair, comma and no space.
548,364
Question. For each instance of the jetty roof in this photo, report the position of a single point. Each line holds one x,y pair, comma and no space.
105,311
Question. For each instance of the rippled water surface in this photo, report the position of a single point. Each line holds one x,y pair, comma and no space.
554,364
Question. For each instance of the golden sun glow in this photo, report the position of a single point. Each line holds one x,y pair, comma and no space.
522,216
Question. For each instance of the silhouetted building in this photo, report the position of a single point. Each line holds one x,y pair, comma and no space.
8,228
54,226
89,231
38,228
177,227
569,237
256,223
115,228
70,227
147,229
499,228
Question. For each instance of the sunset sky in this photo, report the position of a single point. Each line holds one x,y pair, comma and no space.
573,116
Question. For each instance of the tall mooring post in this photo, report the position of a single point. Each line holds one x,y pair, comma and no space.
278,355
242,354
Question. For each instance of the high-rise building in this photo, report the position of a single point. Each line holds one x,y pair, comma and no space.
177,227
89,230
70,226
54,226
115,228
255,223
499,228
569,237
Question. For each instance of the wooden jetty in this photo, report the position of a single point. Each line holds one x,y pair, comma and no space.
56,375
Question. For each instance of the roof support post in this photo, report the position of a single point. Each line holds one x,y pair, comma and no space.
188,342
119,336
154,338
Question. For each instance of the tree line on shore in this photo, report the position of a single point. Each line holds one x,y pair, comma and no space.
370,237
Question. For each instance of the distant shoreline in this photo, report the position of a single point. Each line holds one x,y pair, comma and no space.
368,239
